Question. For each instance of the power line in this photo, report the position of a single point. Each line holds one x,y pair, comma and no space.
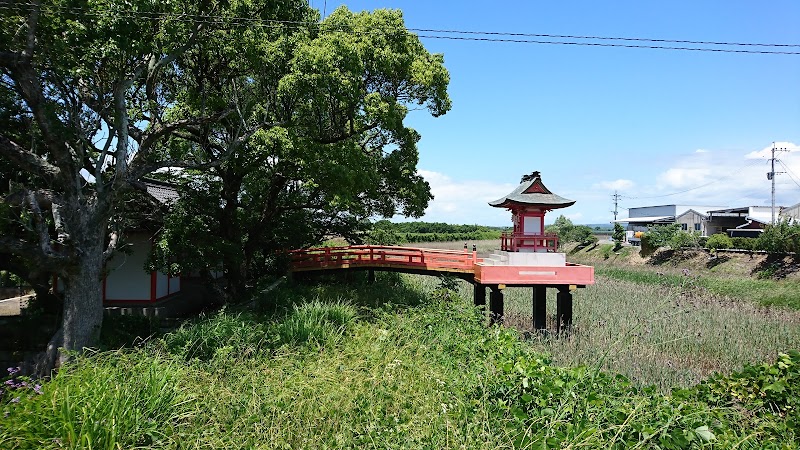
734,172
443,34
567,36
600,44
789,172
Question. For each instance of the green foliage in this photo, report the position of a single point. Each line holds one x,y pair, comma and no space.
569,232
744,243
316,322
780,237
619,234
8,279
131,399
582,234
769,389
658,236
719,240
383,236
325,147
387,233
685,239
401,374
562,227
241,334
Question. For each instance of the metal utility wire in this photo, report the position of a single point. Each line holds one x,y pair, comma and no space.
465,35
732,173
789,172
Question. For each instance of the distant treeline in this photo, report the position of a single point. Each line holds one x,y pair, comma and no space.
385,232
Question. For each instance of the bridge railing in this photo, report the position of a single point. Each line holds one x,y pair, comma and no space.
381,255
514,242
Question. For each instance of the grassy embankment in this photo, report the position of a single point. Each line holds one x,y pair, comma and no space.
404,364
748,277
660,327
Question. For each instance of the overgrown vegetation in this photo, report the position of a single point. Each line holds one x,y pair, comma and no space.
404,363
568,232
782,237
384,232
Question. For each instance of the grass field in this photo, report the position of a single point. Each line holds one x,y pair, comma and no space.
658,326
407,363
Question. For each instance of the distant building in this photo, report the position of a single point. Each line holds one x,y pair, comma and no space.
791,212
744,221
690,218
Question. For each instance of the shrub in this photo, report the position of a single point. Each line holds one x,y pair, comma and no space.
719,240
780,238
383,236
744,243
619,234
658,236
315,322
563,227
580,233
683,239
590,240
242,333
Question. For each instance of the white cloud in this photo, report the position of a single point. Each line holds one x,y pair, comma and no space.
701,150
465,201
727,178
680,177
766,152
616,185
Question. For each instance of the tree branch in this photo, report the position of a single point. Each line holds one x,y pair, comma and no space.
27,84
27,160
345,136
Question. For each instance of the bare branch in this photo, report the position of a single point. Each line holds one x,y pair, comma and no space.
146,168
27,160
27,84
345,136
52,263
33,22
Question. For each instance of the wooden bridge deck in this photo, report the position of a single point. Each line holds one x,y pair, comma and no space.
463,264
384,257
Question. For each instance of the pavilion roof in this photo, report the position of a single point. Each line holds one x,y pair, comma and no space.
532,192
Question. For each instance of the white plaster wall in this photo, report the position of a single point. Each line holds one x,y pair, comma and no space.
127,279
174,285
162,289
532,225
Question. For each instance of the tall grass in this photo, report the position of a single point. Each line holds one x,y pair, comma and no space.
122,399
400,364
666,335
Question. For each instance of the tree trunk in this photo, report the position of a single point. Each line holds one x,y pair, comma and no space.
83,302
82,314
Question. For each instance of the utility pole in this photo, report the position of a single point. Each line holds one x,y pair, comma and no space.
616,198
771,177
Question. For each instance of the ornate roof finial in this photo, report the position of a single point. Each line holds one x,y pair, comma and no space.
532,176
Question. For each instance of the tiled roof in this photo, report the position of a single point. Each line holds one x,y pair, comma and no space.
532,192
166,194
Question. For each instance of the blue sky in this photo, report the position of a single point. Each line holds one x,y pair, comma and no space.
593,119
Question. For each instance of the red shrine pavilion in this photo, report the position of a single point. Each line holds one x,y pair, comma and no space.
528,203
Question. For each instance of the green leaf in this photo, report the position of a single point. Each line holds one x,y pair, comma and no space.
704,433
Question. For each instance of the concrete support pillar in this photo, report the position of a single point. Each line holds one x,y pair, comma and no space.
539,307
496,306
563,309
480,296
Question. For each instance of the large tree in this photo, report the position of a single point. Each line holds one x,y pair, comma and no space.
317,143
88,91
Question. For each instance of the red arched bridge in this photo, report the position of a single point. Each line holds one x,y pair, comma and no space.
498,271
